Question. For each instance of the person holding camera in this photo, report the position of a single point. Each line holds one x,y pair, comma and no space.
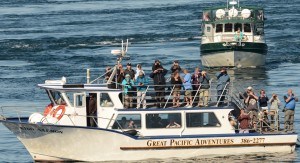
223,78
141,81
289,111
177,83
158,75
274,116
263,100
204,89
130,71
127,84
175,67
187,84
251,106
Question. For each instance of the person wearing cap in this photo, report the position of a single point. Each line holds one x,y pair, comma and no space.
129,71
274,108
223,79
141,81
251,106
127,84
158,75
175,67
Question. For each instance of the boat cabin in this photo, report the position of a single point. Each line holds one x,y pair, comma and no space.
221,24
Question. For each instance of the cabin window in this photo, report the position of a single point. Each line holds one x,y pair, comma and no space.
127,121
208,29
105,100
79,100
247,27
163,120
219,28
57,97
238,26
208,119
228,27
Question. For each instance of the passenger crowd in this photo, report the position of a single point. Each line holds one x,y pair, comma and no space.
196,84
257,112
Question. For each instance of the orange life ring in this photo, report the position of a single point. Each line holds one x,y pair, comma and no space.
55,111
47,110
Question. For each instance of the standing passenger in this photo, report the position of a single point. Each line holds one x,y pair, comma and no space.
204,89
141,82
158,76
138,69
92,111
176,82
289,111
175,67
128,88
275,103
223,78
195,80
263,100
244,124
129,71
120,75
188,88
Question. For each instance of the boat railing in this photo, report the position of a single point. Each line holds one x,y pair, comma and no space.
168,89
230,40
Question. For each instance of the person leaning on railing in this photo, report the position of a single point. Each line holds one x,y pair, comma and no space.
127,84
141,82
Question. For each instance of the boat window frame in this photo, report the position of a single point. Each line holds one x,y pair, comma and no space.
222,25
186,120
165,126
118,124
249,28
231,27
101,102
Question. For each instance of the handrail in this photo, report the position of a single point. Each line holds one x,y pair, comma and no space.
169,96
222,94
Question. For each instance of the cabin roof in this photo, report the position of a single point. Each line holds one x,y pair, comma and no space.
78,87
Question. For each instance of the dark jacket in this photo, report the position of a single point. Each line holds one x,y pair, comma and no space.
177,84
196,81
92,106
159,78
130,72
204,80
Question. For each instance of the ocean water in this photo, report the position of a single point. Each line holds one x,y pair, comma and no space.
48,39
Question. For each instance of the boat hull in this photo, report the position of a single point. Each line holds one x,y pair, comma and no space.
70,143
223,54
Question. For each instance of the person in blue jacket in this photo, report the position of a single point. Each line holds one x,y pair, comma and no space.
128,84
289,111
223,78
141,82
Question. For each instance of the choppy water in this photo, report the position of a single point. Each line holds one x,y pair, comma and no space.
48,39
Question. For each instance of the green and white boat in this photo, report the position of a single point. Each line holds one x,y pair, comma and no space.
222,45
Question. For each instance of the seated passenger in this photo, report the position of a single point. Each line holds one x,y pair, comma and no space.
141,82
176,82
244,122
123,123
131,125
173,124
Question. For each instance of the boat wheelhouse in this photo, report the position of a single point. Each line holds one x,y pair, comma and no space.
233,36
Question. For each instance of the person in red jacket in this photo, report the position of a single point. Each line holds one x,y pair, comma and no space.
244,122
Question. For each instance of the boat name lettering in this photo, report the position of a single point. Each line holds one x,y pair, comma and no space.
253,140
41,130
189,142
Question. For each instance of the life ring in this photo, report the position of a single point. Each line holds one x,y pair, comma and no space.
55,111
47,110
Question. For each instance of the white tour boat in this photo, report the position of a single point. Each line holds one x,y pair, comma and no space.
233,36
63,131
